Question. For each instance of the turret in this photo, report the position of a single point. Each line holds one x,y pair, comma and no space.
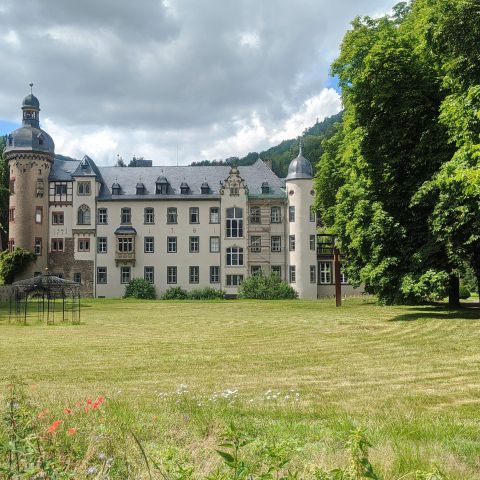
29,153
301,225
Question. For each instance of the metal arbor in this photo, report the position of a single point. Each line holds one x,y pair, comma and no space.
55,299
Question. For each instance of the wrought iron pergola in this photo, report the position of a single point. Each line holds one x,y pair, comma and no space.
55,298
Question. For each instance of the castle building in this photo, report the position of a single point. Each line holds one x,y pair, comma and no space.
184,226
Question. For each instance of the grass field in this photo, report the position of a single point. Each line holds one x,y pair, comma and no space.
295,373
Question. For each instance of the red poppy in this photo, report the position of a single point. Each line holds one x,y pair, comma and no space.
85,409
89,402
72,431
54,426
67,410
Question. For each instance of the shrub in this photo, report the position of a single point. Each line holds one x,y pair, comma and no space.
464,292
140,288
15,262
175,293
207,293
263,287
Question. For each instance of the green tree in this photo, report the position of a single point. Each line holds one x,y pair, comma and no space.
390,143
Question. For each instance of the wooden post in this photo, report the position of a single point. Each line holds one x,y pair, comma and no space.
338,284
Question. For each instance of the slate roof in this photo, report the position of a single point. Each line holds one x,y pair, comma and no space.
128,177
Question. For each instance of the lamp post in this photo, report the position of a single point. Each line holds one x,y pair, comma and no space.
336,269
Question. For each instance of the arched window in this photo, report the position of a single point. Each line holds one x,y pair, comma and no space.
234,223
83,215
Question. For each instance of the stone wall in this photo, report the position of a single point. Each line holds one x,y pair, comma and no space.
64,263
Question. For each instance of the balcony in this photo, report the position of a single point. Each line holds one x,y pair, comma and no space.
125,258
325,245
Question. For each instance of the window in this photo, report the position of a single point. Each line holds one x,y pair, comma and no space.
194,274
214,215
102,275
148,274
40,187
11,245
291,214
140,189
11,215
234,256
234,191
125,244
83,215
102,244
275,215
214,244
57,244
148,245
325,273
102,216
172,244
276,243
38,246
171,274
255,244
292,274
58,218
60,188
83,244
171,215
126,216
277,270
234,280
38,214
125,273
215,274
12,186
77,277
83,188
149,216
194,244
313,274
343,276
234,223
194,215
291,243
255,269
255,215
312,213
313,242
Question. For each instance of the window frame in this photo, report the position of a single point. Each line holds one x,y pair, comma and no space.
38,215
150,241
215,274
172,240
237,254
172,211
194,215
55,215
56,243
212,213
172,273
149,214
149,273
291,243
292,274
256,244
123,271
192,241
234,224
313,274
125,216
291,213
102,273
84,185
102,241
213,238
325,274
255,215
85,243
193,274
84,214
275,218
125,241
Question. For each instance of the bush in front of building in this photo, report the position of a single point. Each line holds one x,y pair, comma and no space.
141,289
266,287
175,293
15,262
207,293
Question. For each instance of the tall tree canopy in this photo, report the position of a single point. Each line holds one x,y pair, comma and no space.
390,145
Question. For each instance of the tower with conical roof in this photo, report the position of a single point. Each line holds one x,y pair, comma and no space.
301,222
29,152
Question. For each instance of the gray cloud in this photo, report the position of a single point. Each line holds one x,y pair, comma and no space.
169,72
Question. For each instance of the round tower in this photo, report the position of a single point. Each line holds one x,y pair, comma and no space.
301,227
29,153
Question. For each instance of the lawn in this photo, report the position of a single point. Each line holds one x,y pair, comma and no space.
297,374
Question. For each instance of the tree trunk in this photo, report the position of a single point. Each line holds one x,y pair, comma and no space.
454,291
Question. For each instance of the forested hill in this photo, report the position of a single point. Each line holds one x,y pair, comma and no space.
282,154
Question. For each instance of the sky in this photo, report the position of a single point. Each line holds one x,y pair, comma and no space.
173,80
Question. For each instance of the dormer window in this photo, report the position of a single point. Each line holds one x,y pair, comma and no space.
184,188
140,189
205,188
161,186
40,138
115,189
265,188
10,140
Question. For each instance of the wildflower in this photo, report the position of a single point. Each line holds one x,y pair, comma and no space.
78,404
67,410
42,413
100,400
89,401
53,426
85,410
91,470
95,405
102,457
72,431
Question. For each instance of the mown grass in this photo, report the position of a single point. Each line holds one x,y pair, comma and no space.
409,375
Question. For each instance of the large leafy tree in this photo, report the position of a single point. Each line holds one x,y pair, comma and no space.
390,143
452,34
